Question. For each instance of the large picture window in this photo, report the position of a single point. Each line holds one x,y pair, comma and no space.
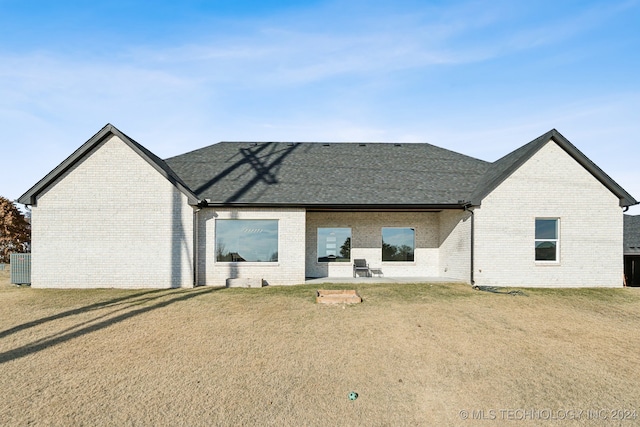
547,239
251,240
334,245
398,244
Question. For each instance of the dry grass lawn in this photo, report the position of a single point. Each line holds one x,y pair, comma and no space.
416,355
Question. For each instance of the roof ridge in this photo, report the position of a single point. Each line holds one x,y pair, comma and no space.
329,143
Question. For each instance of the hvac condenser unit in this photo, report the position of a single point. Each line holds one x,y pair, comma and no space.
20,269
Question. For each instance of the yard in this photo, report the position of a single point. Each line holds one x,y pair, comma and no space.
417,354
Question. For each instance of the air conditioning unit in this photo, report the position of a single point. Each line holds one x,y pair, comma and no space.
20,269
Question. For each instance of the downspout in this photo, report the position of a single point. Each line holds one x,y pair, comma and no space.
471,251
195,244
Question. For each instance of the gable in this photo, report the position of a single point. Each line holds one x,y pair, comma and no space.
551,180
507,165
88,148
107,177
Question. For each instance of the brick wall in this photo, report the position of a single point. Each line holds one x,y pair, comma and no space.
552,185
112,221
455,245
288,270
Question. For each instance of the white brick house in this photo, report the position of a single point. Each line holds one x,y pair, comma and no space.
115,215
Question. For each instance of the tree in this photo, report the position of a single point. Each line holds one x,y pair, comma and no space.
15,230
345,249
388,252
396,253
405,253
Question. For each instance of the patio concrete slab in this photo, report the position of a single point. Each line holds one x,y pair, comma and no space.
349,280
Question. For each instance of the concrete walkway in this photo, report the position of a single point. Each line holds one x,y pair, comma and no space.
347,280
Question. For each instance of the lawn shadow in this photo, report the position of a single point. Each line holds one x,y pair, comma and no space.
76,311
72,332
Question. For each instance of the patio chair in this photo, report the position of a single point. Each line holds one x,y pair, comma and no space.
360,265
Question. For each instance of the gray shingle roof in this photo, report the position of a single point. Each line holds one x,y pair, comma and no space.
357,174
632,234
332,174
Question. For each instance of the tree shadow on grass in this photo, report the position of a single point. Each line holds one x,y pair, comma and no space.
89,326
76,311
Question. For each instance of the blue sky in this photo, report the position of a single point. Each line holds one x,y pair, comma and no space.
477,77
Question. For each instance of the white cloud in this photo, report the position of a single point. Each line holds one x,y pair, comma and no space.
318,74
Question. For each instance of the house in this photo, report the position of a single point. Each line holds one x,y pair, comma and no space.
632,250
113,214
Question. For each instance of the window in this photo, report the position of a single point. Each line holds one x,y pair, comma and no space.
334,245
398,244
547,239
252,240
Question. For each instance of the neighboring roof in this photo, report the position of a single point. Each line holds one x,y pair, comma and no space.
29,198
504,167
632,234
329,174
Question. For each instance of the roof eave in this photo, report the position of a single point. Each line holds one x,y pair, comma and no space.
625,198
29,197
341,207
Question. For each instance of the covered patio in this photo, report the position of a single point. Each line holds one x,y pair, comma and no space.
395,245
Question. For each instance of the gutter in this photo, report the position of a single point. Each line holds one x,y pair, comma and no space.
324,207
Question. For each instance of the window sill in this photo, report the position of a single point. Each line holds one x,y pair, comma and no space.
399,263
249,263
548,263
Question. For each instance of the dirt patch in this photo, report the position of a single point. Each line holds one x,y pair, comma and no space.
414,354
337,296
